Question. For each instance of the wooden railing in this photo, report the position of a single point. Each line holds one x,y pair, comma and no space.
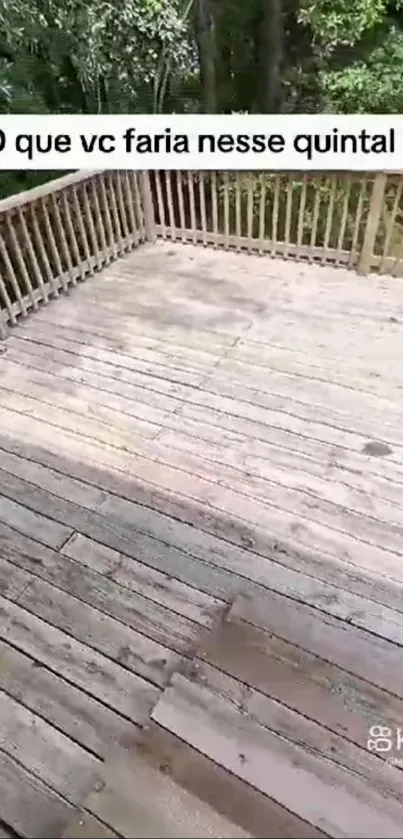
346,219
56,235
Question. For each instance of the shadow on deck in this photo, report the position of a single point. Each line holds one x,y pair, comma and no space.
201,524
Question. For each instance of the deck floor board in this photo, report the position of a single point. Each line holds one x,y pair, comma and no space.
201,466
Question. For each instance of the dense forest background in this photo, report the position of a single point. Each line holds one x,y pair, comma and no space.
156,56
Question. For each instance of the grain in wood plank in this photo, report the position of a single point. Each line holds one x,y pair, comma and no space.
259,815
305,732
292,371
265,415
51,533
57,760
114,685
359,652
157,365
38,357
72,382
13,462
139,801
341,408
30,808
98,322
320,792
75,412
72,711
293,469
86,826
133,650
125,348
288,499
212,426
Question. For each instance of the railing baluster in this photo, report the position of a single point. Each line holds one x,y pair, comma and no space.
315,219
182,221
129,201
143,206
63,240
115,216
288,214
11,277
83,232
262,212
226,210
192,207
249,217
102,235
8,306
72,234
171,214
214,206
161,206
32,254
202,197
329,218
357,222
238,210
109,226
343,222
53,247
276,199
21,263
301,216
121,206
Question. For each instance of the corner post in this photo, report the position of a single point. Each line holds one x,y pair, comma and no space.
371,228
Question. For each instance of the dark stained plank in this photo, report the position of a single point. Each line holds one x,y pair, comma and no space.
79,664
304,731
28,805
144,580
259,815
317,689
57,760
320,791
115,518
185,525
167,630
72,711
360,653
97,630
138,802
50,532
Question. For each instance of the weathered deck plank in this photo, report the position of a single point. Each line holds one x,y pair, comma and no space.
188,428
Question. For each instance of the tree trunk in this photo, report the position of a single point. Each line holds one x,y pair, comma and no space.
206,46
271,53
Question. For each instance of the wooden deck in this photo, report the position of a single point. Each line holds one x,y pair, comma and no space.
201,553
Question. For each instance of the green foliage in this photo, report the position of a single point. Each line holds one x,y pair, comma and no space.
336,23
